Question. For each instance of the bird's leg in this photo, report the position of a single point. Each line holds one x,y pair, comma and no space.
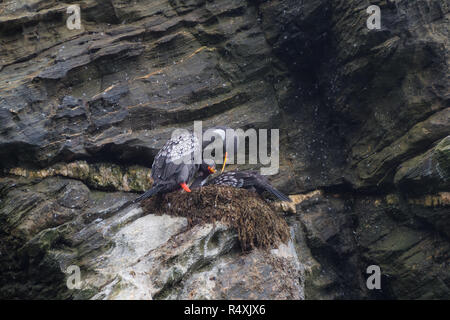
185,187
224,161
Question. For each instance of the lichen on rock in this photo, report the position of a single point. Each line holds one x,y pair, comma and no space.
102,176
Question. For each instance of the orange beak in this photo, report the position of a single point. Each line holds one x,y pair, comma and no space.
224,161
185,187
211,170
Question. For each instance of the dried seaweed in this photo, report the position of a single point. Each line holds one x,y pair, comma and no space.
257,224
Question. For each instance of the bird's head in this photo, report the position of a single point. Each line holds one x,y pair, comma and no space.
222,133
207,167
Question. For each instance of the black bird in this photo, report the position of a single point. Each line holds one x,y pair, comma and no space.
251,180
174,165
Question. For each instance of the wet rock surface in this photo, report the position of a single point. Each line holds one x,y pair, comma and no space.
364,119
126,254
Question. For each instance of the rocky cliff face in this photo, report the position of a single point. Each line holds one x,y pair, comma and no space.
364,118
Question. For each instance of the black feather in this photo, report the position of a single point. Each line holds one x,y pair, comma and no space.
247,180
149,193
276,193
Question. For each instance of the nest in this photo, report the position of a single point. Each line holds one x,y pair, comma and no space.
257,224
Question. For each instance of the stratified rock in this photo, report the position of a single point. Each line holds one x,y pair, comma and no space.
128,79
101,176
122,254
423,134
325,235
363,117
412,257
197,264
427,173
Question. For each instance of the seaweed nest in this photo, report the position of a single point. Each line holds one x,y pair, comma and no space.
257,224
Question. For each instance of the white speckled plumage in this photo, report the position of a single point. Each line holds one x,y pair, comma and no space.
175,162
247,180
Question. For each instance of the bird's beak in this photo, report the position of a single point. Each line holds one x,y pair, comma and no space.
211,170
224,161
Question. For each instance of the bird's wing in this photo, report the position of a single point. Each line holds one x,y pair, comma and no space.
227,179
260,182
174,155
250,178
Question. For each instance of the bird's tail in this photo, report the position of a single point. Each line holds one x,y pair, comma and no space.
276,193
148,193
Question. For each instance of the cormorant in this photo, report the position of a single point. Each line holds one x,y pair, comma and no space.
251,180
169,171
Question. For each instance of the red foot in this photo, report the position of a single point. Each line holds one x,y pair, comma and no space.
185,187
